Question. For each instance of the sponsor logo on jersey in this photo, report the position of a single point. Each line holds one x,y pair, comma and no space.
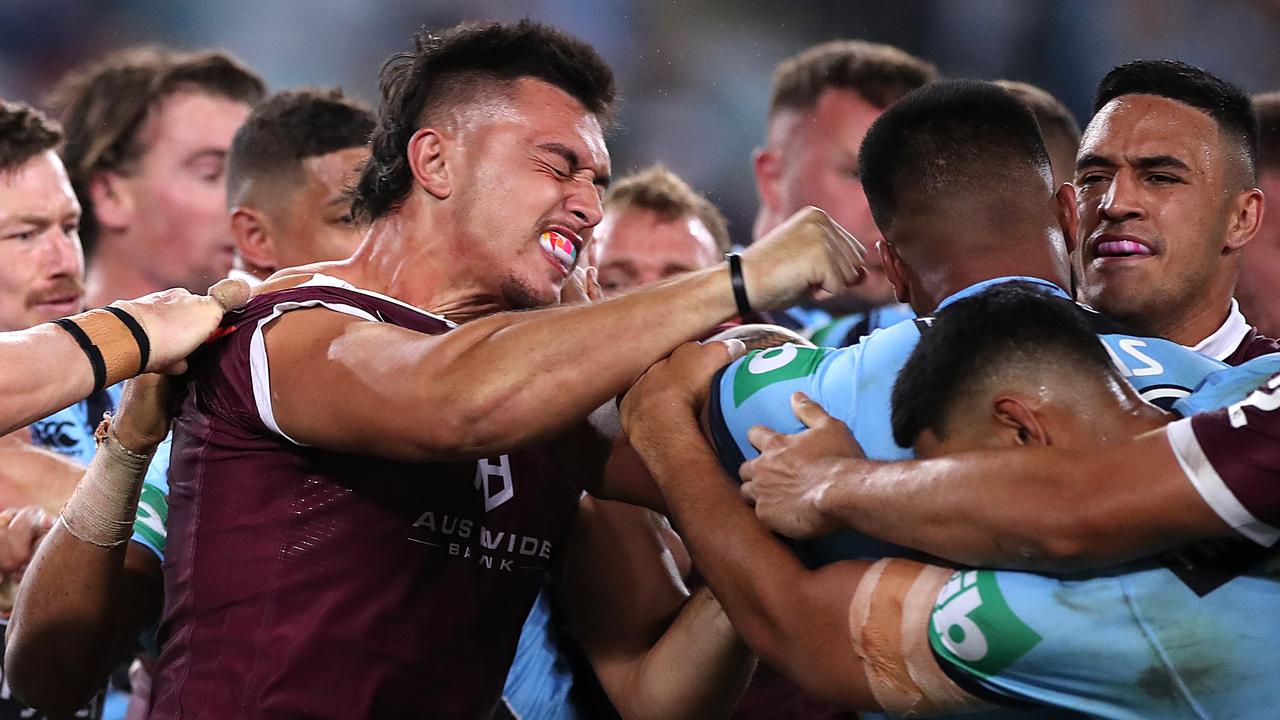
762,368
493,480
974,627
58,435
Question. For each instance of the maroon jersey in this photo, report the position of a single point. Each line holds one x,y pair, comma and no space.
1232,456
306,583
1252,345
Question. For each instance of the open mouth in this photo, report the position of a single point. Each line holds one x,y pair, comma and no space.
1111,246
559,249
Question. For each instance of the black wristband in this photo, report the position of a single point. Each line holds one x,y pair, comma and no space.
739,283
90,350
139,335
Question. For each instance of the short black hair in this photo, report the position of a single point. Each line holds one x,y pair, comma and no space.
1010,325
954,135
290,127
1227,104
24,133
446,71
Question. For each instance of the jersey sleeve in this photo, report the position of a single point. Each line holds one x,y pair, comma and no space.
153,506
1232,457
1018,638
756,390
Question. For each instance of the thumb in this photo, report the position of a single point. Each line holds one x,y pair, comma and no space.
231,293
806,410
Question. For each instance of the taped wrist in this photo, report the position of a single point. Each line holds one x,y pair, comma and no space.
889,620
112,340
102,509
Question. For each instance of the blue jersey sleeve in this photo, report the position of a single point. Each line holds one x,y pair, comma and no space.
153,506
1225,387
756,390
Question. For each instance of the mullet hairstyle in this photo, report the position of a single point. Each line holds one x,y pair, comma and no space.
1010,327
446,72
1227,104
24,133
103,107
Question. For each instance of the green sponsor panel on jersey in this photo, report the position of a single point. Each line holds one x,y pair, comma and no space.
762,368
153,512
974,627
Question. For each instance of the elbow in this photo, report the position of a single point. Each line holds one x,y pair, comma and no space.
1065,543
45,682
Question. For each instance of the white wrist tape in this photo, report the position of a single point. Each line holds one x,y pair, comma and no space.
102,509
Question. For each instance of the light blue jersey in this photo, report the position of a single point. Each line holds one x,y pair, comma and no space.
540,679
69,432
850,329
854,384
1190,635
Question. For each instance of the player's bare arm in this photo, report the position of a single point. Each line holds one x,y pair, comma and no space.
49,367
1048,509
31,475
88,592
515,378
658,651
797,620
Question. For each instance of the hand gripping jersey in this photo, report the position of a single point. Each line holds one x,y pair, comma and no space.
854,384
1192,635
306,583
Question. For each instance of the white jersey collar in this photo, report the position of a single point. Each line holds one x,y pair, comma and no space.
1225,340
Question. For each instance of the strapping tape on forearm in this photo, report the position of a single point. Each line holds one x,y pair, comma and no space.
889,619
114,342
102,508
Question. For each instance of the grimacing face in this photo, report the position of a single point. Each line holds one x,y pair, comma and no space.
636,246
41,262
527,183
815,162
1153,183
178,225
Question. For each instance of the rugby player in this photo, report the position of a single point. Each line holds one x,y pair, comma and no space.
45,367
148,131
1260,267
1167,187
397,500
820,106
289,167
1014,365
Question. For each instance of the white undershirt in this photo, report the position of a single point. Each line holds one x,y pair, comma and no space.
1225,340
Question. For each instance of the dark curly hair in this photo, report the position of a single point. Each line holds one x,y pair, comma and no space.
449,70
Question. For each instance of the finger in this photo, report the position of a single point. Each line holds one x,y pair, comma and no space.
748,491
747,471
759,436
231,293
736,348
807,411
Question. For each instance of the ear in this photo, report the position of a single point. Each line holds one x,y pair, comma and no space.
113,202
768,170
895,270
1068,215
1246,218
254,239
1017,422
427,159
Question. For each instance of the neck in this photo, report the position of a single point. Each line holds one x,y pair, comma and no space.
112,276
1201,321
403,257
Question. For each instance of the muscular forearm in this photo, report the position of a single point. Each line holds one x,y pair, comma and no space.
1043,509
698,669
43,371
516,377
791,617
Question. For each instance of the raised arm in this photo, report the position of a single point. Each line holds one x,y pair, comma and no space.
89,592
46,368
1048,509
658,651
510,379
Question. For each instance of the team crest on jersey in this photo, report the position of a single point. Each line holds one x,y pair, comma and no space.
762,368
493,480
